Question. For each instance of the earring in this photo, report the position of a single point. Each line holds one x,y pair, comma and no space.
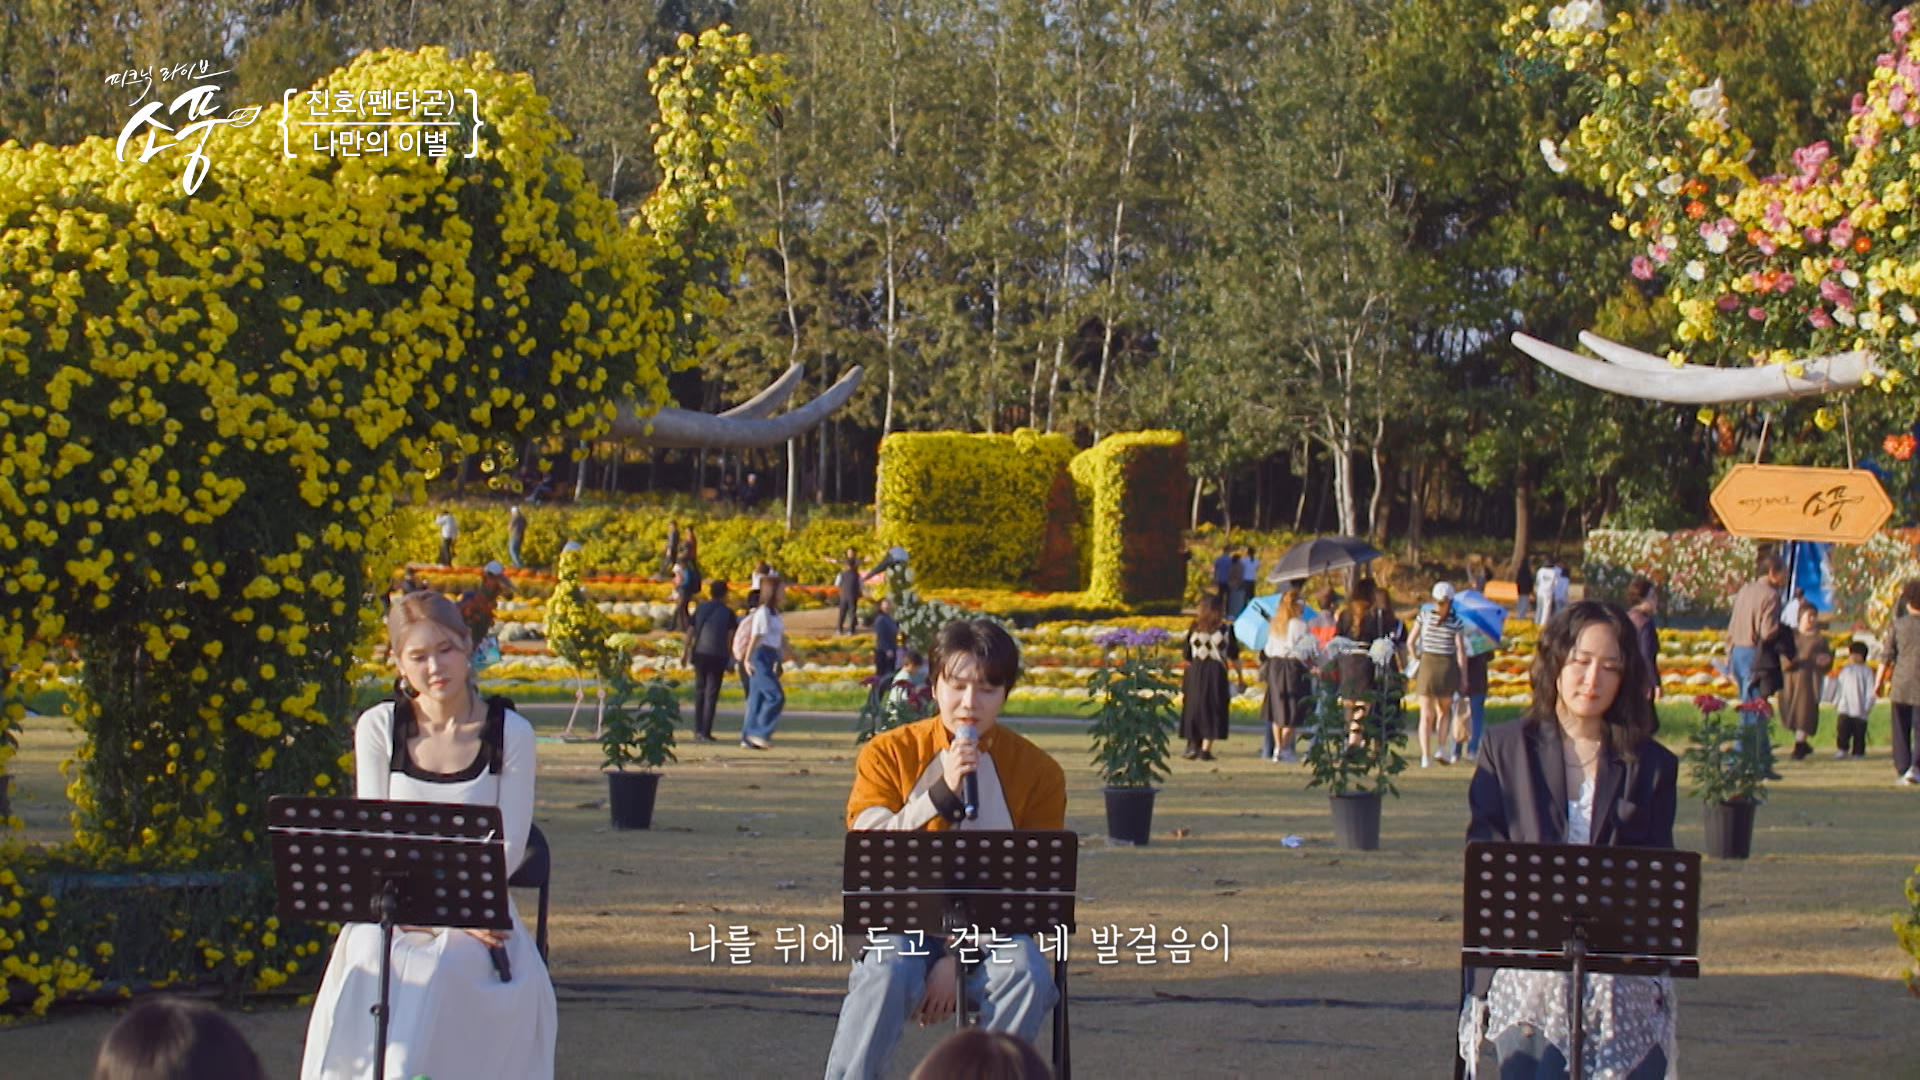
404,688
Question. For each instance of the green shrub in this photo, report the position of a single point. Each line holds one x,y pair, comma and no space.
973,509
1126,485
632,539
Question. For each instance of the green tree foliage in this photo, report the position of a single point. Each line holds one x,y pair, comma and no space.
1049,213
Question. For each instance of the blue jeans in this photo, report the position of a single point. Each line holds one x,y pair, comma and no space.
1013,987
1525,1056
1740,666
513,551
765,699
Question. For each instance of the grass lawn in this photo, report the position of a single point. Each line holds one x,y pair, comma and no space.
1342,963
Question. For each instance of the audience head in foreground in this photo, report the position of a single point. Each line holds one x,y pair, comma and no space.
169,1039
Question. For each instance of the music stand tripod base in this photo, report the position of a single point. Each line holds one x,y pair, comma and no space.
392,863
1011,883
1583,910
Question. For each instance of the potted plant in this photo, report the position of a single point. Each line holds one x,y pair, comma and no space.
1133,721
638,730
1728,764
1906,929
1358,766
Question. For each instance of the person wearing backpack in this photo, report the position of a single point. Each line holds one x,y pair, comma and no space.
766,648
709,649
686,589
743,637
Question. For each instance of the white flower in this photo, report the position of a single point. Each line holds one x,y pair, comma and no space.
1843,316
1709,100
1850,278
1868,320
1381,652
1717,242
1552,153
1697,270
1908,315
1672,184
1578,15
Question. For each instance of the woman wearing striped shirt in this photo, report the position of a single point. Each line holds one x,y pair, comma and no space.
1440,642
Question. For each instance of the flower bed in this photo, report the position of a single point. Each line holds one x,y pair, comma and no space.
1701,569
534,585
1057,658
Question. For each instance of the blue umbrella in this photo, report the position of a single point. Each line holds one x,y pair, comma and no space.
1490,616
1251,627
1485,620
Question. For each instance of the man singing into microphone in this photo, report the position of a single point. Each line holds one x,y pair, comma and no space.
917,777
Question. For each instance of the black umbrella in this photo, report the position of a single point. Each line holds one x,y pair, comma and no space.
1321,554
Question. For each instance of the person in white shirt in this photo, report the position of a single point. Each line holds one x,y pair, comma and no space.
1287,662
1546,590
454,1012
766,648
449,529
1850,692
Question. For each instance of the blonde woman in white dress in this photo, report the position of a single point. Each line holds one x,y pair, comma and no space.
452,1016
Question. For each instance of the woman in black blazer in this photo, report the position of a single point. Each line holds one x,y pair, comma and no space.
1581,768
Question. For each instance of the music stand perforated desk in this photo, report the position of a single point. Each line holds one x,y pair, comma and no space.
392,863
1584,910
938,883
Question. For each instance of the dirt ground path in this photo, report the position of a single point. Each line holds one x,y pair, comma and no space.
1342,963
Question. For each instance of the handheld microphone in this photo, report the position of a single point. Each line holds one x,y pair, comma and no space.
500,962
966,733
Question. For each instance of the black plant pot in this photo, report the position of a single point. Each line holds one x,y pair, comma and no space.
630,798
1356,820
1130,814
1730,829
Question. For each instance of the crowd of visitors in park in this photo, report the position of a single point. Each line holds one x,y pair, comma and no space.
1777,650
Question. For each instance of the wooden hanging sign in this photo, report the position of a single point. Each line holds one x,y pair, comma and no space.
1782,502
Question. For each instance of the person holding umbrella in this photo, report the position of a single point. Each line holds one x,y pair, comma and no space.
1485,621
1440,648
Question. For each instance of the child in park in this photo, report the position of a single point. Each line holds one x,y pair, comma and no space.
1803,668
912,673
911,677
1850,691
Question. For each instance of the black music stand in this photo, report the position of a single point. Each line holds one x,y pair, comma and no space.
939,883
1584,910
368,860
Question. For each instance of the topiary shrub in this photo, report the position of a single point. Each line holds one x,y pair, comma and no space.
1126,485
973,509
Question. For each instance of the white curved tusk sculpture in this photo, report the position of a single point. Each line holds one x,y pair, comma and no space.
745,426
1633,373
